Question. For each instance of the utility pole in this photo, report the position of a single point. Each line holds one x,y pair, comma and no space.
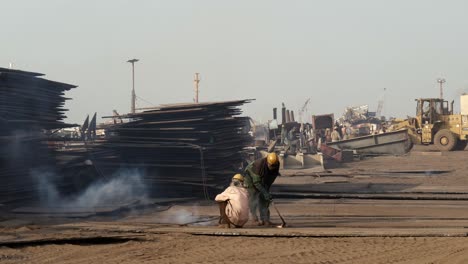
196,81
441,81
380,105
132,61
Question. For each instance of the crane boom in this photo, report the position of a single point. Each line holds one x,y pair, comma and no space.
303,109
380,104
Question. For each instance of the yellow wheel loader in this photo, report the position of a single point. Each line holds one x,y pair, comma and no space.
436,124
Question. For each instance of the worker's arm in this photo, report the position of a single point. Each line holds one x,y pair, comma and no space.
257,183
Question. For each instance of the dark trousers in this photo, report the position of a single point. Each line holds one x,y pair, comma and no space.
257,202
263,206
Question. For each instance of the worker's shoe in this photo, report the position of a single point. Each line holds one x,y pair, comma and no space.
260,223
255,222
268,223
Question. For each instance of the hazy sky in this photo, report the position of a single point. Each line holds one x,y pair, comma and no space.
339,53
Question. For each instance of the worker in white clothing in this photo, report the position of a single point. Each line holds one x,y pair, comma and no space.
335,135
234,204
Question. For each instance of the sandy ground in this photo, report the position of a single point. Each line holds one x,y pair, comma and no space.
409,209
184,248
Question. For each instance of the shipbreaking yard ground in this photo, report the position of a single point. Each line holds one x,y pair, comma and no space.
420,195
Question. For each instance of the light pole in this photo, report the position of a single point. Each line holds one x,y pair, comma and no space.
132,61
441,81
196,82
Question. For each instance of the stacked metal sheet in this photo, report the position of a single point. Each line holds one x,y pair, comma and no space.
183,148
29,105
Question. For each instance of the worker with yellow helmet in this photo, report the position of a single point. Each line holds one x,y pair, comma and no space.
234,203
259,176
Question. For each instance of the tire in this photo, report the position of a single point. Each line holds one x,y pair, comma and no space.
445,140
461,145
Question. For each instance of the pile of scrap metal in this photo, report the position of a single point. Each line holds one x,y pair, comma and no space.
293,141
360,121
359,133
364,134
180,149
29,106
322,125
291,137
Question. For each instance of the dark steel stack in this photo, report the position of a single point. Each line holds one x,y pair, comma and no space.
183,149
29,105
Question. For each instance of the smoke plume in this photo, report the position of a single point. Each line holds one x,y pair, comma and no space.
123,187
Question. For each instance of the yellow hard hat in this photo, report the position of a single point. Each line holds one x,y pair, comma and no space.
272,159
238,177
